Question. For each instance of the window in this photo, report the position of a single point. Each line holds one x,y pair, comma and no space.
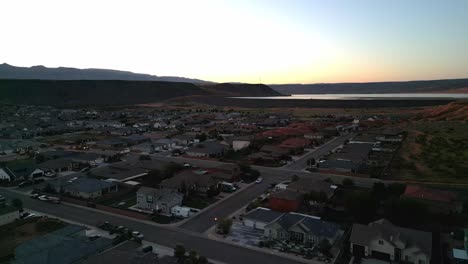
381,242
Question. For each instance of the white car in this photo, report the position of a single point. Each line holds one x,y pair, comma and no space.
259,180
29,216
137,234
43,198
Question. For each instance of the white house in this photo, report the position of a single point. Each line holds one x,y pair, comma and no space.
384,241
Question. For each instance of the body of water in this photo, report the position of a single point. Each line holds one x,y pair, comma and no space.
388,96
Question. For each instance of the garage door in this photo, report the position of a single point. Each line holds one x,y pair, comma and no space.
381,255
359,251
249,223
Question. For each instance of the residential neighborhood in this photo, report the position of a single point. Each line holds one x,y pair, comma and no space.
316,190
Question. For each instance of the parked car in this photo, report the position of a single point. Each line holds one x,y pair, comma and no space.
259,180
137,234
29,216
24,184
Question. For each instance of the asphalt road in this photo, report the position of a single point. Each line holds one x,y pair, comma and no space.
206,219
317,153
166,236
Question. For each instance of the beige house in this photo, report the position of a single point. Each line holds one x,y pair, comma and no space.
384,241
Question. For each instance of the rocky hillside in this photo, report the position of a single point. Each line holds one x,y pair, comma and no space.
240,89
454,111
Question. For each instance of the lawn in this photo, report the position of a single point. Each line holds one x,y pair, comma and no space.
198,202
162,219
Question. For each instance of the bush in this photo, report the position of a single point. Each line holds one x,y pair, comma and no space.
348,182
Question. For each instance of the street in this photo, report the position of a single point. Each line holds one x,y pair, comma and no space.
317,153
166,236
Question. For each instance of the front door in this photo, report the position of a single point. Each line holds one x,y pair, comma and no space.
397,254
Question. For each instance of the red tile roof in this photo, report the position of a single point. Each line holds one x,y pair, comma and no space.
413,191
295,143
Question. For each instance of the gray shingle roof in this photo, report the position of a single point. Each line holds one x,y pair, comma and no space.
61,246
263,215
89,185
384,229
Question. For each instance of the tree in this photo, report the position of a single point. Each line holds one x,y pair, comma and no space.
193,256
202,137
224,226
379,191
172,168
18,203
179,252
202,260
324,246
347,182
188,261
361,205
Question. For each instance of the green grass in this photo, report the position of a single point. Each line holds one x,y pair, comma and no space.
162,219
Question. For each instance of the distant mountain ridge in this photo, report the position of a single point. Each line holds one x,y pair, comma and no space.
431,86
64,73
69,93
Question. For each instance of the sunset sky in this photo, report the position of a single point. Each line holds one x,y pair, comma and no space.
253,41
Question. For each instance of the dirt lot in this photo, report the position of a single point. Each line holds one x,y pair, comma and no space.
22,231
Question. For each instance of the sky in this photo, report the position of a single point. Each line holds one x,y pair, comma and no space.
255,41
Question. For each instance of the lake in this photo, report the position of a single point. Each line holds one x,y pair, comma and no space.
388,96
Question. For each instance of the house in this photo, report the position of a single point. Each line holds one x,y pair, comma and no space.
88,188
276,150
65,246
197,180
314,136
295,145
285,201
136,139
302,229
158,200
163,144
184,140
8,213
460,255
129,252
437,201
58,165
88,158
209,149
120,172
227,172
384,241
20,170
144,148
352,158
260,217
241,142
306,185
